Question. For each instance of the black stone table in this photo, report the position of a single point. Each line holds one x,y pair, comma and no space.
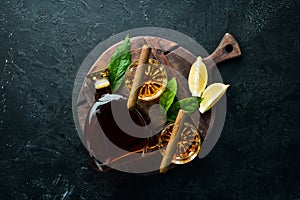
43,44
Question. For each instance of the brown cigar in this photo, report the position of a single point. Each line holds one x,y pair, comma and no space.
139,76
172,145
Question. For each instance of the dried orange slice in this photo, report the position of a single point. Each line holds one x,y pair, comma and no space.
155,80
188,146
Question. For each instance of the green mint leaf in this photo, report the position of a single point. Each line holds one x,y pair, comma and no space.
188,104
118,64
167,97
199,99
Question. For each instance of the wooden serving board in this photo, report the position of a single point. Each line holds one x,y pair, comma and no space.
177,60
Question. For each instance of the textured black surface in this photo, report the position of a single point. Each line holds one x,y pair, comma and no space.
43,43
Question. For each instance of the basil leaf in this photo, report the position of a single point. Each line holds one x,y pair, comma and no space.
118,64
188,104
167,97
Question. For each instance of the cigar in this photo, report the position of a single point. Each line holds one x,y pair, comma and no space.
175,137
138,77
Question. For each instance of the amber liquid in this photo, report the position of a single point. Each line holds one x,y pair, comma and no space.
155,80
116,134
108,129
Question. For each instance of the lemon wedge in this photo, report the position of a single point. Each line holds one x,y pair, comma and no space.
211,95
197,77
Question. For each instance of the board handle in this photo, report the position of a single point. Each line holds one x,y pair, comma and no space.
227,49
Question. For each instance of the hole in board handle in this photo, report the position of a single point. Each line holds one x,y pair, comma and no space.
228,48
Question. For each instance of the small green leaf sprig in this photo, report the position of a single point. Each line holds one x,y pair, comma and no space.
172,108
